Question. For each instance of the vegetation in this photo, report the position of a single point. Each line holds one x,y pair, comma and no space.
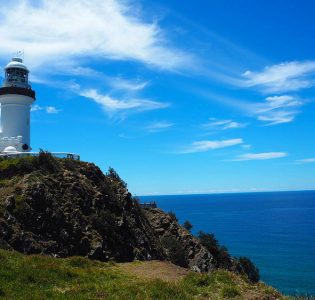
187,225
114,175
223,260
173,216
43,277
220,253
245,266
176,251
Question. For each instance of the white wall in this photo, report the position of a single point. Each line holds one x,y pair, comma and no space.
15,117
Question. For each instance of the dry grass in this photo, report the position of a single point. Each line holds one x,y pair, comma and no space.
151,270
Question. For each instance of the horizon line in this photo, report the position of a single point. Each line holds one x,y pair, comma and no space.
227,192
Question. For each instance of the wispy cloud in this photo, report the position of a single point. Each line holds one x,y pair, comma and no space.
203,146
63,32
306,161
278,109
114,82
129,85
159,126
111,104
272,110
261,156
47,109
284,77
216,124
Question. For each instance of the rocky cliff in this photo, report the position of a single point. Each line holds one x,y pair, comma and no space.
62,207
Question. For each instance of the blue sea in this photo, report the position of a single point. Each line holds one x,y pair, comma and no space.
275,229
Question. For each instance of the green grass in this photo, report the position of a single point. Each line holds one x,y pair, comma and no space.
43,277
6,163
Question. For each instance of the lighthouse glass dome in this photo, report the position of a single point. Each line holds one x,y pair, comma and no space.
16,74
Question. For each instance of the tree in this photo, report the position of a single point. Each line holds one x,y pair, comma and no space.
187,225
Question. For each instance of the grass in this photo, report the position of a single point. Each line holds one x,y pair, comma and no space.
43,277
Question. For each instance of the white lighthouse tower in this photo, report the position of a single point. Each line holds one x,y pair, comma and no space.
16,98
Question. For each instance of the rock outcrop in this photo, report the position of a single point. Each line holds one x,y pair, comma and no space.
62,207
198,257
65,208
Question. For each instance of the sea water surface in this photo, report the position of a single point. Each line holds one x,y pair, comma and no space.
274,229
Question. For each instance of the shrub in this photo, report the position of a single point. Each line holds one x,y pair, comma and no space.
209,241
2,293
173,216
176,251
114,175
45,160
198,279
187,225
246,266
220,253
230,292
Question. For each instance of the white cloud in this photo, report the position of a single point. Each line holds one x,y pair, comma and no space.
275,102
47,109
117,83
287,76
278,109
51,110
159,126
129,85
261,156
203,146
110,104
278,117
306,161
59,33
215,124
272,110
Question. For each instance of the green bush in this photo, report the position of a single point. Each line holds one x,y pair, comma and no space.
45,160
245,266
114,175
187,225
220,253
198,279
230,292
2,293
176,251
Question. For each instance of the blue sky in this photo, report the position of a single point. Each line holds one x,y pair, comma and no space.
178,96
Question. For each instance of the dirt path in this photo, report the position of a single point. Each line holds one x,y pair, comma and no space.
155,270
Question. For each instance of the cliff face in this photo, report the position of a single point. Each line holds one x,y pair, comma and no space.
198,257
72,208
64,208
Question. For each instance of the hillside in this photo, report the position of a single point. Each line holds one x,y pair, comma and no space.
43,277
65,208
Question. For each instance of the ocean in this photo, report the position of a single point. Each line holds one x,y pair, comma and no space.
276,230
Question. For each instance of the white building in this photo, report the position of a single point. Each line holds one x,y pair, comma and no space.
16,98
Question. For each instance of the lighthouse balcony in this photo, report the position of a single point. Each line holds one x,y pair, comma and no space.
14,90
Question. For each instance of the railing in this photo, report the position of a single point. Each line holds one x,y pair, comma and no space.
148,205
27,154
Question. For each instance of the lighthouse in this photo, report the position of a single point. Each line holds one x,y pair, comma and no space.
16,98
